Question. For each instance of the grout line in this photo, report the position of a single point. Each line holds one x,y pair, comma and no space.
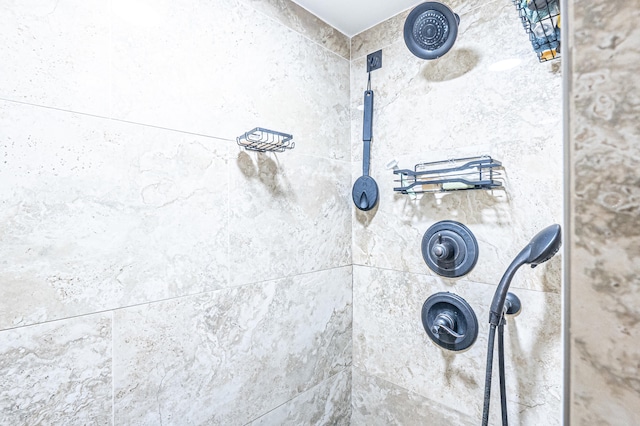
458,280
299,395
168,299
228,229
435,402
118,120
293,153
113,382
271,18
567,228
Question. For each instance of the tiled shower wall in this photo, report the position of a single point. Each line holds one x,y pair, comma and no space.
604,106
457,106
151,272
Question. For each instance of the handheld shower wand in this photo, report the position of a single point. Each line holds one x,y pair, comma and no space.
541,248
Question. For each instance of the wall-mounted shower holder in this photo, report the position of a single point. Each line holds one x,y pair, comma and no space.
512,305
265,140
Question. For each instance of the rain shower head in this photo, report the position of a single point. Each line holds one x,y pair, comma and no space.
541,248
431,30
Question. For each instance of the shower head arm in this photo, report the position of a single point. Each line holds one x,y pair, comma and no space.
497,304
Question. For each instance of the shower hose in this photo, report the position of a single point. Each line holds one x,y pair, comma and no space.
487,385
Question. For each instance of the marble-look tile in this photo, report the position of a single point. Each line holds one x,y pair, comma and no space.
328,403
391,344
57,373
605,252
377,402
229,69
56,53
299,19
233,355
98,214
289,214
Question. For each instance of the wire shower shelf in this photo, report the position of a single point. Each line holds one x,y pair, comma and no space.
265,140
480,172
541,21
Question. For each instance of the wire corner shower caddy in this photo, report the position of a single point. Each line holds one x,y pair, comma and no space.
480,172
541,21
265,140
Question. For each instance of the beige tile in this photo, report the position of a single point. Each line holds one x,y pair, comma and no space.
57,373
98,214
329,403
390,343
216,74
234,354
455,107
503,221
289,215
460,99
299,19
56,53
377,402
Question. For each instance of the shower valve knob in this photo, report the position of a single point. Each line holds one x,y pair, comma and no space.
438,329
443,249
444,322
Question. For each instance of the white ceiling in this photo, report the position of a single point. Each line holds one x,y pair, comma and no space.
354,16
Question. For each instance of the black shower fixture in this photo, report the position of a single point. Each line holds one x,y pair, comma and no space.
449,321
449,249
431,30
542,247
